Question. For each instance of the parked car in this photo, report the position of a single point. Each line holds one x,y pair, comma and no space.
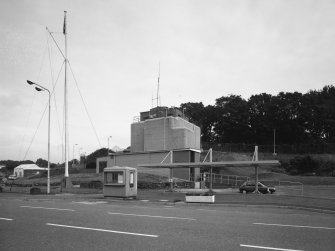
250,186
12,177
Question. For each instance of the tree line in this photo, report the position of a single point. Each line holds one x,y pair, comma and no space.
296,118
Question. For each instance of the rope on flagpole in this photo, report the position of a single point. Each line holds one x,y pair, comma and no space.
82,99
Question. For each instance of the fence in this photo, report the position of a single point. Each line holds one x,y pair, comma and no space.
233,181
286,187
224,180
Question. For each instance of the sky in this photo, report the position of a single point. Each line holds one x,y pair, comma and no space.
204,50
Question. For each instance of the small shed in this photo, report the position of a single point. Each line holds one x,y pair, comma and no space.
28,169
120,182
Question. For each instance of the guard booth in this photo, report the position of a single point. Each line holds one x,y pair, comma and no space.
120,182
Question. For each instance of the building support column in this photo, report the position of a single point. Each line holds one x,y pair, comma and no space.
171,171
211,180
256,170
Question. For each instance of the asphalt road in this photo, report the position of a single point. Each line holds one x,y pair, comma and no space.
58,224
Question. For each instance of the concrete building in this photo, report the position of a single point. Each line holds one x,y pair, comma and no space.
28,169
159,134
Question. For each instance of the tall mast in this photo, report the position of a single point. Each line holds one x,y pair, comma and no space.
159,74
66,104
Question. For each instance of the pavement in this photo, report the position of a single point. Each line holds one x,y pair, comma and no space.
69,221
227,197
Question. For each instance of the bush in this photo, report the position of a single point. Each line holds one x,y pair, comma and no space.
302,165
35,190
91,165
326,168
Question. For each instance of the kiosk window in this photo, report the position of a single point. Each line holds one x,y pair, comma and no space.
131,179
114,178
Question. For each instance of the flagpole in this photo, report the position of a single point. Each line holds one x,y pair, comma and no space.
66,106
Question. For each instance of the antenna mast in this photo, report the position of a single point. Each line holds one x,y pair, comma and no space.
66,104
159,74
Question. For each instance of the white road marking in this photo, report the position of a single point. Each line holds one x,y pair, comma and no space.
282,225
50,208
152,216
269,248
90,202
102,230
5,219
164,200
209,210
144,200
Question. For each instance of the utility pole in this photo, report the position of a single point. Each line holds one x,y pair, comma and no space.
73,154
66,134
274,142
256,170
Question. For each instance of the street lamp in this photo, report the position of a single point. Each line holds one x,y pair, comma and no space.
41,88
79,155
108,146
274,142
73,154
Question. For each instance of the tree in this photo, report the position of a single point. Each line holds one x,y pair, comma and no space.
194,111
209,120
298,118
261,118
232,120
91,159
287,118
11,164
328,113
41,162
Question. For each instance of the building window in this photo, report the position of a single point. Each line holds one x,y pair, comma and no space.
114,178
131,179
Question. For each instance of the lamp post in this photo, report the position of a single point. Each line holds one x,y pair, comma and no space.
73,154
108,145
79,154
41,88
274,142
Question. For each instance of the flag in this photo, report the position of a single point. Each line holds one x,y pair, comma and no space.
64,25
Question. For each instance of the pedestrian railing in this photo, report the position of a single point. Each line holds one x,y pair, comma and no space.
225,180
286,187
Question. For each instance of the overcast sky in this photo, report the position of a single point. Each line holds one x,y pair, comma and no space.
206,49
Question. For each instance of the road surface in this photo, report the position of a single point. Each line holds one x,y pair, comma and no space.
58,224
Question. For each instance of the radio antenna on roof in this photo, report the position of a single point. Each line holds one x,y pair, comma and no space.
159,75
158,98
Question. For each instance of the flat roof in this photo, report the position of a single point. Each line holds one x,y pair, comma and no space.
215,164
150,152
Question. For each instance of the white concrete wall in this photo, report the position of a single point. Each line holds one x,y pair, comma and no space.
137,137
167,133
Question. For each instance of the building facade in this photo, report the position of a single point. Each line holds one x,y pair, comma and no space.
158,133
